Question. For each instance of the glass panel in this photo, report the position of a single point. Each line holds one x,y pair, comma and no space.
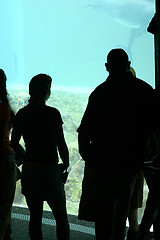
69,40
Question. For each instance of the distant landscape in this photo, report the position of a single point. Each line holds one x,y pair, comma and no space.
71,106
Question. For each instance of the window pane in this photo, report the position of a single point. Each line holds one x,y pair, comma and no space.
69,40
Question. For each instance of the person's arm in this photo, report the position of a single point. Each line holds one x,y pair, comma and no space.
19,150
3,132
62,146
85,132
15,139
84,145
4,121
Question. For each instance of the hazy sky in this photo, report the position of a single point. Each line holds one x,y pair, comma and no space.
69,39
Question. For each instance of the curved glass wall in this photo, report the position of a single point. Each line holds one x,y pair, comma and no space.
69,40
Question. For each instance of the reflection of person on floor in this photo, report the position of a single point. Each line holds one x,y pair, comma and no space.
112,141
7,163
41,128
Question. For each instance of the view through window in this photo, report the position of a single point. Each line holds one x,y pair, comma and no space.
69,40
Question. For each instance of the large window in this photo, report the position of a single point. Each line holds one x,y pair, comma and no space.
69,40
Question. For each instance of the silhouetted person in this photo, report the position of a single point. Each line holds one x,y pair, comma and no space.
136,200
7,163
151,212
152,174
112,140
41,128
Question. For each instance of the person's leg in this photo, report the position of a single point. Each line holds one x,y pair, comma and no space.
8,232
104,206
156,224
150,212
4,224
133,224
133,219
60,213
104,221
7,191
125,187
35,224
136,203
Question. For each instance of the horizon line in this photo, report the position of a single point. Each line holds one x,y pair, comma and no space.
74,89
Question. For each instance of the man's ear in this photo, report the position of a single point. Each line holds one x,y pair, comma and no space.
129,64
106,65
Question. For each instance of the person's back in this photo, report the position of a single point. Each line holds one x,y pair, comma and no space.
39,130
117,119
112,140
119,122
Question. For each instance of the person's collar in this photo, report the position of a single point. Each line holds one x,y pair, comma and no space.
120,75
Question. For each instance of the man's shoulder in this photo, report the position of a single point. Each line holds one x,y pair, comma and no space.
52,109
142,82
104,87
47,109
99,89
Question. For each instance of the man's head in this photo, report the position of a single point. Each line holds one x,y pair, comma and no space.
117,61
39,86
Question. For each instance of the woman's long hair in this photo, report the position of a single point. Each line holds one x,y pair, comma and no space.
4,94
3,90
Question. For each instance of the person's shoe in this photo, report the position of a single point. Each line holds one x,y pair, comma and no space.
131,234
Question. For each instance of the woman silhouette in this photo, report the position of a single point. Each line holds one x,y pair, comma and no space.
7,163
41,128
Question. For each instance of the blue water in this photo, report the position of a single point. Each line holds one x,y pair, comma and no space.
69,39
